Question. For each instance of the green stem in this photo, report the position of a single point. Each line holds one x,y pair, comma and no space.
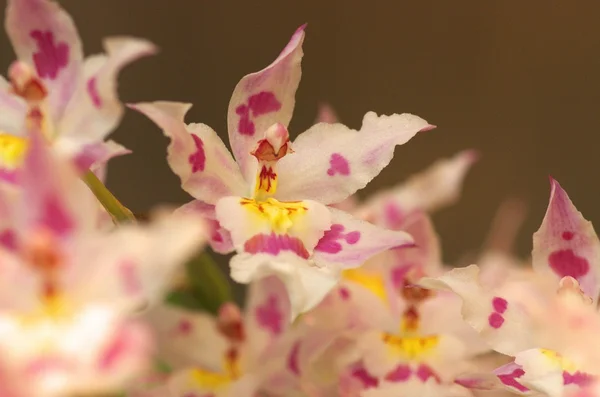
117,211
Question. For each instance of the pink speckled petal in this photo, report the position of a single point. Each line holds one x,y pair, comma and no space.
95,109
95,156
196,154
438,186
262,99
501,321
219,237
253,231
44,36
351,241
510,376
567,245
268,314
332,161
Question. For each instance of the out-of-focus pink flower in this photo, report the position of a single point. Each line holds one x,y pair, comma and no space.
52,88
67,287
565,254
271,202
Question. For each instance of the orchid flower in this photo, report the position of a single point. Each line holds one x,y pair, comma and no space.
233,355
51,87
566,258
270,204
68,287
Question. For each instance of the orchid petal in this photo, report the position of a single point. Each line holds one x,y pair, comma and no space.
567,245
44,36
220,238
14,109
262,99
273,227
498,319
306,284
332,161
95,109
438,186
326,114
350,241
196,154
510,376
268,314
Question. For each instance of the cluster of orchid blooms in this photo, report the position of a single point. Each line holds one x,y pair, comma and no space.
345,298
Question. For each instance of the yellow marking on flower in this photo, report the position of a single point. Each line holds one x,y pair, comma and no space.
371,281
12,149
280,215
410,347
210,380
266,182
558,359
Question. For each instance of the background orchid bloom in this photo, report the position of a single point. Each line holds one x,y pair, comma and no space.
67,287
51,87
566,261
271,202
234,354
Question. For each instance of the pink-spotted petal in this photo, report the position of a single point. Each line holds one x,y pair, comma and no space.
185,338
500,321
350,241
332,161
95,109
95,156
219,237
196,154
267,316
510,376
273,227
438,186
306,284
567,245
53,197
44,36
134,266
262,99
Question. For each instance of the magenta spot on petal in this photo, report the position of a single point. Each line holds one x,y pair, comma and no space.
216,237
399,374
365,378
330,241
568,236
511,379
258,104
184,327
93,92
198,158
269,316
292,362
495,320
393,215
580,379
51,57
344,293
566,263
8,239
424,373
130,278
56,217
499,304
338,165
398,275
118,348
10,176
274,244
262,103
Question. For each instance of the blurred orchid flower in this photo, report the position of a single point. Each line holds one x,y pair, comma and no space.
52,88
270,204
67,286
234,354
566,258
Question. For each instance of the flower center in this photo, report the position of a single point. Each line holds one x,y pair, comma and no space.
411,348
279,215
268,152
372,282
12,149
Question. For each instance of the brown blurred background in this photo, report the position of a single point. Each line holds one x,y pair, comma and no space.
518,80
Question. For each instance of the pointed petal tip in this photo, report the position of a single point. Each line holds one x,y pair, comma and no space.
471,155
302,27
428,127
